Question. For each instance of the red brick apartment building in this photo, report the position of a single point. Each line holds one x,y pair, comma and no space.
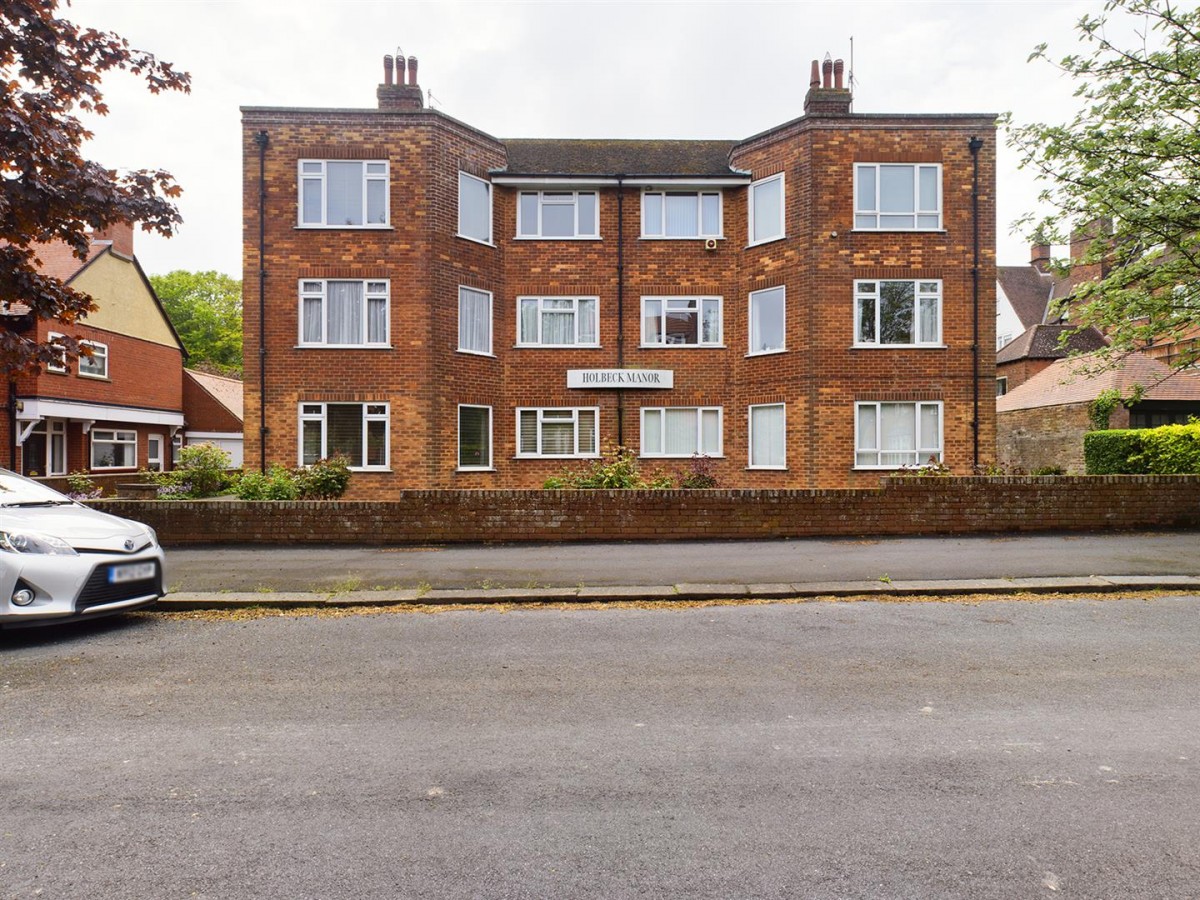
808,306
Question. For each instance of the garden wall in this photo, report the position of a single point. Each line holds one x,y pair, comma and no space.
899,506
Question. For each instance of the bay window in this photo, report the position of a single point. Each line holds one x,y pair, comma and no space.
357,431
891,435
681,431
343,313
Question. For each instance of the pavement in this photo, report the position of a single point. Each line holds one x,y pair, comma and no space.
232,577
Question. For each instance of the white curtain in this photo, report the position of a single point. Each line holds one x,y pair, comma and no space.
682,215
767,436
587,321
931,443
899,429
344,312
710,214
344,193
312,320
652,431
558,321
929,320
652,214
474,321
652,321
529,322
377,320
710,432
681,432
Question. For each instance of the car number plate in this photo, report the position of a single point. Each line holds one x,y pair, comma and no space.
130,572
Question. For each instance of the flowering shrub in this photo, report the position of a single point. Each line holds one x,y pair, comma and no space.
81,487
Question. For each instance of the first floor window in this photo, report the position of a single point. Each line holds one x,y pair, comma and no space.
556,432
681,431
474,437
890,435
114,449
768,436
356,431
558,214
898,313
343,193
474,321
59,367
897,197
95,365
344,313
681,321
681,214
44,451
767,323
766,209
474,208
557,321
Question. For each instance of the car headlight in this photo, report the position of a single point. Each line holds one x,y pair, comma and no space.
29,542
153,535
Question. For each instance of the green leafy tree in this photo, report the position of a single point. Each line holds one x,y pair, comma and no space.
1129,159
206,310
50,72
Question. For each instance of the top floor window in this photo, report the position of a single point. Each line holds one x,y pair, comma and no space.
59,367
766,210
343,193
897,197
681,214
558,214
474,208
96,365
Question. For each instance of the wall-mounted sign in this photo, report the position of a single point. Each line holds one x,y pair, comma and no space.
638,379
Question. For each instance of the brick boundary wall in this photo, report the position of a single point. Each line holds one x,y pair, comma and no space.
899,506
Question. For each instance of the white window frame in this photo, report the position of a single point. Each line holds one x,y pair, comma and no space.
752,239
573,418
462,289
699,302
490,210
923,452
491,422
557,198
1001,385
919,294
660,453
878,214
368,294
99,352
750,319
321,176
751,464
700,234
51,338
155,463
371,411
50,430
541,311
123,436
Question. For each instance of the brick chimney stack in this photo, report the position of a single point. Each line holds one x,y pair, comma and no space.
1039,257
827,94
405,94
119,234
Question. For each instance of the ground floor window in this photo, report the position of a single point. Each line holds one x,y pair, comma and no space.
1001,386
474,437
556,432
768,436
357,431
176,447
44,451
154,453
891,435
681,431
114,449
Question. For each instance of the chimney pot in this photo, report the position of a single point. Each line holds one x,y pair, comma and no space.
814,80
827,73
412,71
838,67
387,69
400,70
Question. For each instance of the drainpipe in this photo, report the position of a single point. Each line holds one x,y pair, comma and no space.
974,146
260,140
12,424
620,305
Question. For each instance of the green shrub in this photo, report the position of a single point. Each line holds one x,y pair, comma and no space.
81,487
326,479
699,475
615,470
278,483
202,471
1109,452
1049,470
1169,450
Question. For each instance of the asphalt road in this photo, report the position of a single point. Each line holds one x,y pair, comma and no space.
824,750
717,562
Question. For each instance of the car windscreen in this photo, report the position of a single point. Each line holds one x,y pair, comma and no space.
14,489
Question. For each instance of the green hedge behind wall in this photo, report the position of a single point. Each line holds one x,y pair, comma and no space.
1169,450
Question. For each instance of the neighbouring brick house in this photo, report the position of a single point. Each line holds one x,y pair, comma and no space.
455,310
119,409
213,407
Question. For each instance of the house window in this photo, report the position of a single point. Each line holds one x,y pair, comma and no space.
343,193
474,208
1001,386
557,432
95,365
767,322
357,431
474,321
905,197
60,367
768,436
681,431
1002,340
343,313
114,449
891,435
897,313
475,437
766,210
681,321
558,214
176,449
557,321
681,214
44,450
154,453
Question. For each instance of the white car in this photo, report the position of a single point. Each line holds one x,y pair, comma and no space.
61,560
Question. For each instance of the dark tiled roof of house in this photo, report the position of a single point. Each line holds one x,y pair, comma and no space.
1069,381
226,391
704,159
1028,290
1042,342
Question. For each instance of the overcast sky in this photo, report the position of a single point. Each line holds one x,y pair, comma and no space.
557,68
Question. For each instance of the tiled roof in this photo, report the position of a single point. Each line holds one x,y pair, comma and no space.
59,260
1065,382
1028,290
1042,342
226,391
705,159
